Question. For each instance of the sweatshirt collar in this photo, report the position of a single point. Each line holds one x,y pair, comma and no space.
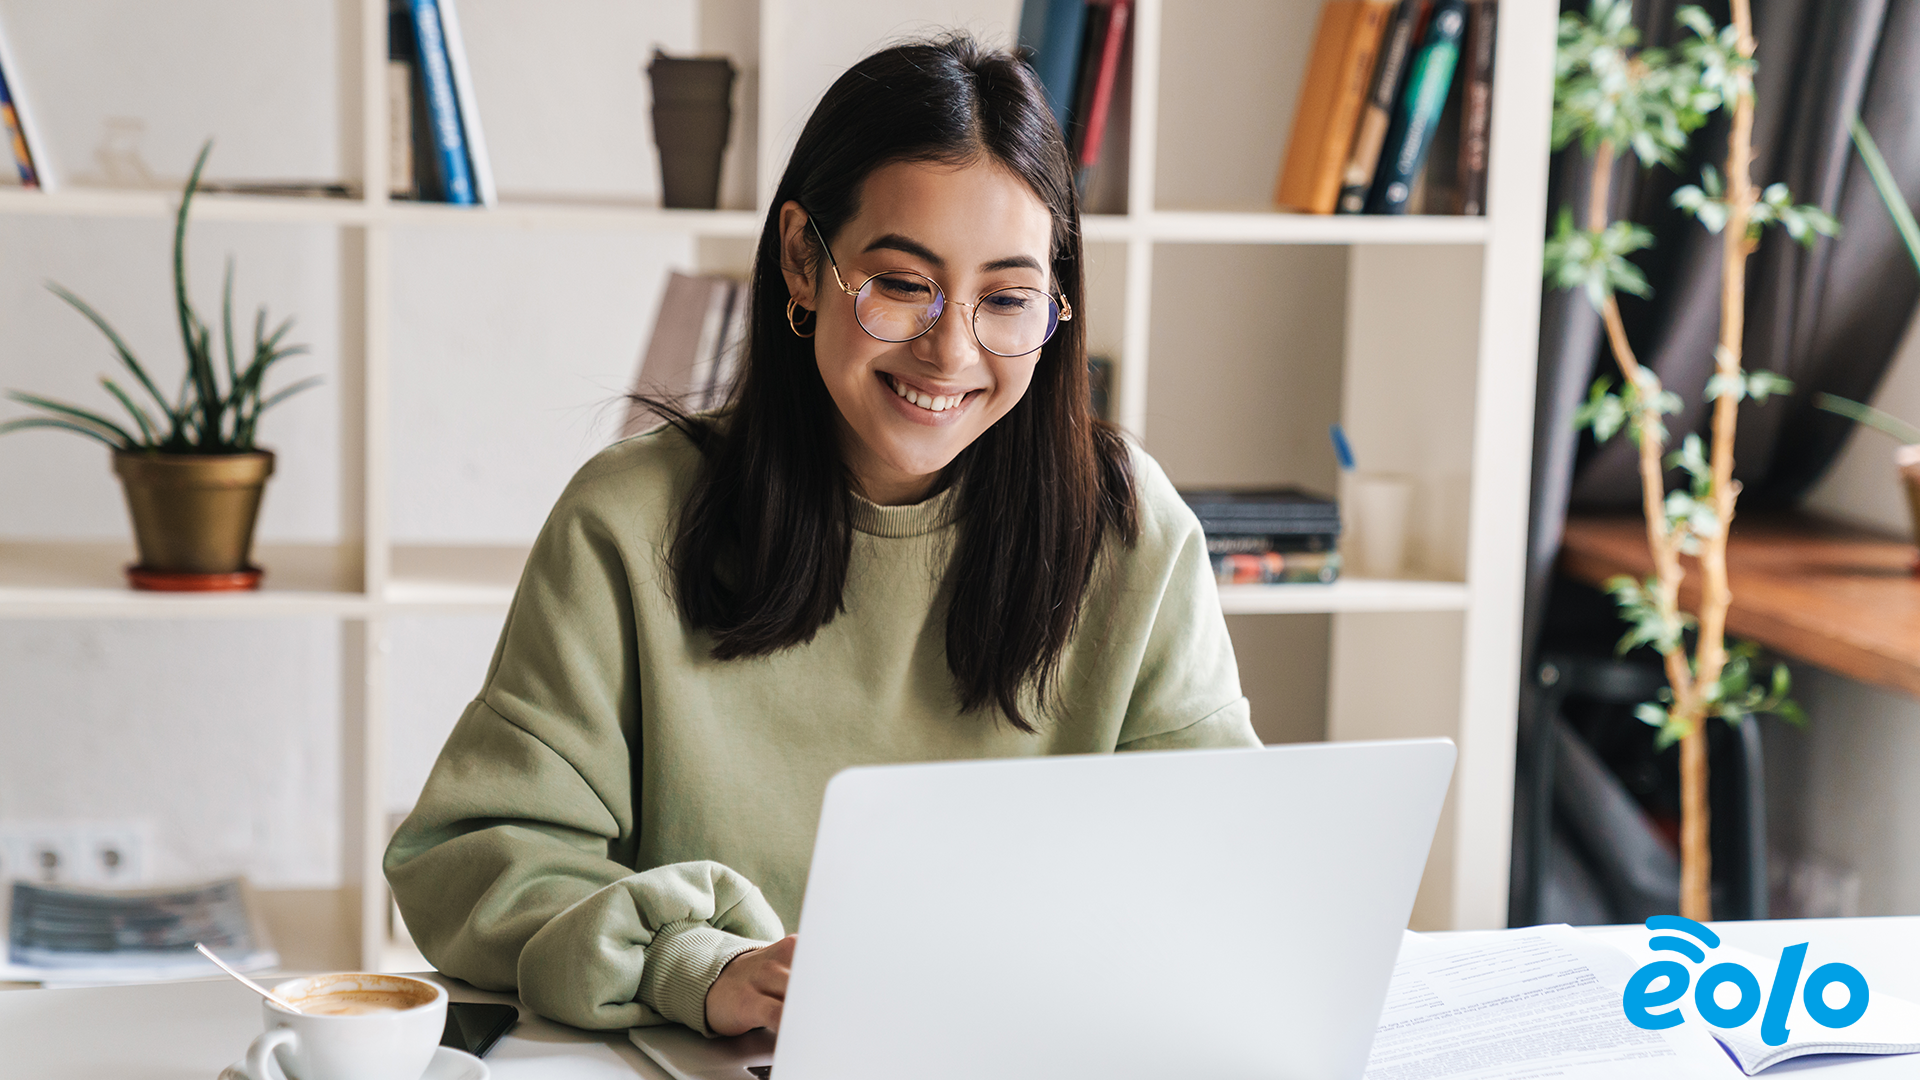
899,522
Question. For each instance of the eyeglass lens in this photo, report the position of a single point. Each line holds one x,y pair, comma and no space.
901,306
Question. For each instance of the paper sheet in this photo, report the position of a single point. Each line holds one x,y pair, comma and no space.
1512,1005
1890,1026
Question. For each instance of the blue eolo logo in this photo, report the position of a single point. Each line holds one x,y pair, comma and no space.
1641,996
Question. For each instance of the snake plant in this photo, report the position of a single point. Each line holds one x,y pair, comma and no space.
209,414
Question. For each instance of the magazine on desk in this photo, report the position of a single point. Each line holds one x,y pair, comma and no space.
1546,1001
75,936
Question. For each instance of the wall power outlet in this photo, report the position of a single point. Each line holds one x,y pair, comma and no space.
99,853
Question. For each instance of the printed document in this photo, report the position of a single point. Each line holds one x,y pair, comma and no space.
1519,1004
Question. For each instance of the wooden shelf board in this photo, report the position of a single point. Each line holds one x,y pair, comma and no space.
455,578
1841,599
288,209
551,212
578,214
1348,594
86,579
1274,227
107,202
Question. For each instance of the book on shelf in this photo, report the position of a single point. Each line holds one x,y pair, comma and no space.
1330,103
476,141
1476,112
1106,33
1429,81
1259,543
1103,184
1100,386
1082,52
401,167
454,167
693,355
1274,511
1376,114
17,124
1277,568
1436,186
1051,33
1268,536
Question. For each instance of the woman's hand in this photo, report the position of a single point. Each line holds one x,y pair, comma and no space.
751,990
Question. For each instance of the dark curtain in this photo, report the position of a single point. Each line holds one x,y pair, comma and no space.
1829,318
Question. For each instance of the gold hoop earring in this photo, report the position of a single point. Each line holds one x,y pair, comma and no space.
793,304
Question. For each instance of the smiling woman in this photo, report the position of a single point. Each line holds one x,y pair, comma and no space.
913,389
904,538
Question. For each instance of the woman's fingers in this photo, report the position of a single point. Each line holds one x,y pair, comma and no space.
751,990
772,975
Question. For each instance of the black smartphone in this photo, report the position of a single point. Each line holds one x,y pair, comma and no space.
474,1026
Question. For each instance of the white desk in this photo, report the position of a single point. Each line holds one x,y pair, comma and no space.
190,1030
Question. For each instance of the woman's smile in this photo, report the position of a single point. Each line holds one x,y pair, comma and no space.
924,405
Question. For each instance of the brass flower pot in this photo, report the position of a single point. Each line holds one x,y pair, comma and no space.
193,514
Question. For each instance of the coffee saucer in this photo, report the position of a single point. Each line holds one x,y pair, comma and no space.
447,1064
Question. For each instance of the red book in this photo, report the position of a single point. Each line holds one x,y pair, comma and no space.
1104,53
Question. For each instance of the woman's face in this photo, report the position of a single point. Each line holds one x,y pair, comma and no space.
972,229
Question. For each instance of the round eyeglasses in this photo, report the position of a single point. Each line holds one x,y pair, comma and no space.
901,305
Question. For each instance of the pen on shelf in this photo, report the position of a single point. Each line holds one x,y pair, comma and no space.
1341,448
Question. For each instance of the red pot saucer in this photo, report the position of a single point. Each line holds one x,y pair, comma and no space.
182,581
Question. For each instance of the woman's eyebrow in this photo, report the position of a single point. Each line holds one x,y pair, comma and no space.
910,246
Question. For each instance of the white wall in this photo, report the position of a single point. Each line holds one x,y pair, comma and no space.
1846,792
221,738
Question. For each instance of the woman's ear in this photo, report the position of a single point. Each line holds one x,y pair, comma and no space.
796,254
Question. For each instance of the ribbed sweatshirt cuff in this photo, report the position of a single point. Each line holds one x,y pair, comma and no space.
682,966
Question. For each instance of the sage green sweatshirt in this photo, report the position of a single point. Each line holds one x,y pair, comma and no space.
617,814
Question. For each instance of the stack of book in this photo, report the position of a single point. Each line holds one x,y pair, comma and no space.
435,150
694,354
1082,51
1268,536
1393,115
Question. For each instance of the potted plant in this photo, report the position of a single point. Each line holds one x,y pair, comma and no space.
192,472
1907,457
1615,97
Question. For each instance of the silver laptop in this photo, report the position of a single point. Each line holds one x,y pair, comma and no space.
1195,913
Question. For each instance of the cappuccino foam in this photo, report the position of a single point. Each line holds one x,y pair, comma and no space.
354,1002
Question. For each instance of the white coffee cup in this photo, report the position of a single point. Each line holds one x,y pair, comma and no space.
352,1026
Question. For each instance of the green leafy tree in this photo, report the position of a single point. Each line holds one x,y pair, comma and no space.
1613,97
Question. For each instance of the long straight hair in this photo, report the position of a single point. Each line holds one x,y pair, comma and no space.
760,557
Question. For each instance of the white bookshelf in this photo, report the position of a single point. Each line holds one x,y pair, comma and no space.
1427,357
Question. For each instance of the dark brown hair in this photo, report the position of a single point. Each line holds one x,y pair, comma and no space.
760,558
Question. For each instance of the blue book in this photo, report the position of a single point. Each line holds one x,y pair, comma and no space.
443,107
1050,35
16,140
1405,151
13,128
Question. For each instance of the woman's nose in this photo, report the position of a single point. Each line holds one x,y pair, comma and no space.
949,346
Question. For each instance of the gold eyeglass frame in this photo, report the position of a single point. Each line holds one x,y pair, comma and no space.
1066,309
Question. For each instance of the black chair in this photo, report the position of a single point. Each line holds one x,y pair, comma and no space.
1585,849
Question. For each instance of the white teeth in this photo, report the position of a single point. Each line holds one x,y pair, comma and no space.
925,401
